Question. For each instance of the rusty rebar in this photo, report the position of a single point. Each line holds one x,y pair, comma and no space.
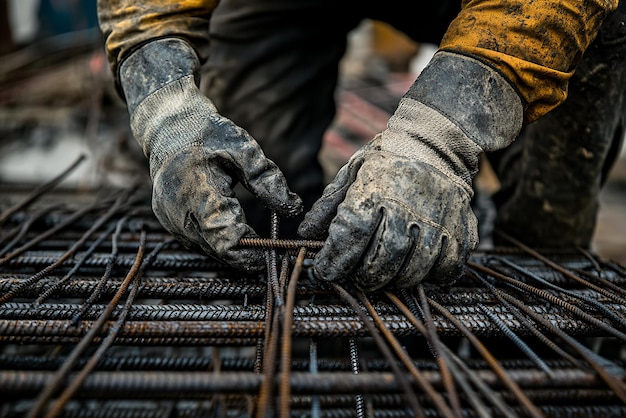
36,277
493,362
54,286
575,295
592,359
287,244
201,382
20,231
264,405
559,268
550,298
384,349
53,385
75,215
524,321
40,190
506,331
78,380
428,330
172,322
241,318
396,346
169,288
285,364
97,292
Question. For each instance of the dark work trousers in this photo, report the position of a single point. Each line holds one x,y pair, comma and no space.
273,70
552,175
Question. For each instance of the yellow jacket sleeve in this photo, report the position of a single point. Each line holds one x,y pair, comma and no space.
534,44
127,24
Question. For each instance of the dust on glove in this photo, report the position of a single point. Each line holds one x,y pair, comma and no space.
399,211
197,156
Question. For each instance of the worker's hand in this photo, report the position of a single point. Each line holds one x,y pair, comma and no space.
399,211
394,218
197,156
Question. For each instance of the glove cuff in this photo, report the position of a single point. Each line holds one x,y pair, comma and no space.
159,119
474,96
155,65
457,108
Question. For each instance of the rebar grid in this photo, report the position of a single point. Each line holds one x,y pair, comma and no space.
103,314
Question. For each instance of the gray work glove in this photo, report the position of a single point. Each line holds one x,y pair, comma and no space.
197,156
399,211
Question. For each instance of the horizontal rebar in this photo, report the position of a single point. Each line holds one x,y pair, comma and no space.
186,362
175,383
242,322
234,408
167,261
200,288
189,307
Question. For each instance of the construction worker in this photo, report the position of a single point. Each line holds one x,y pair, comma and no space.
400,210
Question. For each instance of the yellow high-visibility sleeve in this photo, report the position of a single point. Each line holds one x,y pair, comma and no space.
535,44
127,24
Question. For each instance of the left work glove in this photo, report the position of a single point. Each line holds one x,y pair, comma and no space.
399,210
197,155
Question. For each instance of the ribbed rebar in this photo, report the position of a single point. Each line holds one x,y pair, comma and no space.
135,384
185,338
42,189
151,287
611,377
384,349
505,377
286,244
173,261
60,375
36,277
286,340
247,322
77,381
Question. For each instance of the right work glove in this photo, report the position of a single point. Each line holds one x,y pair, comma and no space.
197,156
399,211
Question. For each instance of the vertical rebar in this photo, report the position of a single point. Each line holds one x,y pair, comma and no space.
32,196
354,364
272,269
384,349
61,374
65,396
285,369
395,345
491,360
313,369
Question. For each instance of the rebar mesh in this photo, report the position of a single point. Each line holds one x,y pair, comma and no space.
103,314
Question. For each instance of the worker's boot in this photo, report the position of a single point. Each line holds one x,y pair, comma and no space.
551,177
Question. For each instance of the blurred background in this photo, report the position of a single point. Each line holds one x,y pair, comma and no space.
57,102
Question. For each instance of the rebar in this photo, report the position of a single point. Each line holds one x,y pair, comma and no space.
41,190
133,384
197,338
